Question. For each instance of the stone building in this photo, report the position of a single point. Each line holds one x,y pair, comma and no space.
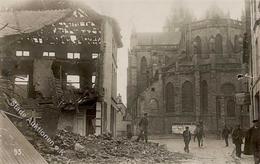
188,74
253,14
64,54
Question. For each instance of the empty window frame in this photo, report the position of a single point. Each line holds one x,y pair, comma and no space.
21,80
95,55
21,85
93,80
74,81
71,55
22,53
49,54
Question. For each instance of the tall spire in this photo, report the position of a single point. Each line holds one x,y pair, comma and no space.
179,16
214,12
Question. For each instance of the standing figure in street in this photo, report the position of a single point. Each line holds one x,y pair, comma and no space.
248,138
186,137
225,134
199,134
255,142
237,138
143,125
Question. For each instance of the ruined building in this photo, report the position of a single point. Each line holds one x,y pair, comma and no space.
63,54
188,74
252,11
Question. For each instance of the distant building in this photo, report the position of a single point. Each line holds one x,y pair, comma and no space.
123,118
66,52
188,75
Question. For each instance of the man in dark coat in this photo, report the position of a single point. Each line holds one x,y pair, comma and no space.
248,145
225,134
143,125
255,142
186,137
237,138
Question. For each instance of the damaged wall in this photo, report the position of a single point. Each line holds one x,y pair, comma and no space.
43,77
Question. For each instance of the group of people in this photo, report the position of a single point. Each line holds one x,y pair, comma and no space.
252,137
252,140
198,133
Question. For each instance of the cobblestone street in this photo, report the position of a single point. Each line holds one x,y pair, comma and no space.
213,152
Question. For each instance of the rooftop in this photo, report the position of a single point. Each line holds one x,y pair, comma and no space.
160,38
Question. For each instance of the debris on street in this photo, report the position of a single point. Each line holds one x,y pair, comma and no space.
104,149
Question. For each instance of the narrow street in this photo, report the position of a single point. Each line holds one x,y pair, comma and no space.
213,152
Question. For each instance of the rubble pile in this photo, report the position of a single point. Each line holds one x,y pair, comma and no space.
104,149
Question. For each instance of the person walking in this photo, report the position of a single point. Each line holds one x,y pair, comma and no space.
186,137
225,134
237,138
199,134
143,125
255,142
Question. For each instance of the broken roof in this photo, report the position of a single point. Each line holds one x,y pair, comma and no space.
27,21
161,38
18,22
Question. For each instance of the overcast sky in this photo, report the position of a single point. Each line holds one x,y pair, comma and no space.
148,16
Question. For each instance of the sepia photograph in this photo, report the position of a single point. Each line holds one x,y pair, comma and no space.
129,82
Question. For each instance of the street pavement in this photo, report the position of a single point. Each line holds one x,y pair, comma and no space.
212,152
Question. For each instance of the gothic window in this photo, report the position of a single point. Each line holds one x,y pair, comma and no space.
169,91
198,45
154,105
144,74
143,65
204,96
236,43
228,91
231,108
187,97
219,44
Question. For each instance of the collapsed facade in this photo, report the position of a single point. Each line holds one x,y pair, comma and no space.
65,57
188,74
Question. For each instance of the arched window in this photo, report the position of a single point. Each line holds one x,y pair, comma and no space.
219,44
143,65
231,108
204,96
228,90
169,96
154,105
144,74
236,44
198,45
187,97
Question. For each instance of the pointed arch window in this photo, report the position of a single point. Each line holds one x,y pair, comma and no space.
228,90
169,91
204,97
219,44
237,46
198,45
143,65
144,73
187,97
231,108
